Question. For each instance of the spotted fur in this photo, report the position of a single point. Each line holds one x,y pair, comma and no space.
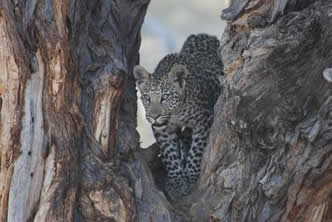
179,97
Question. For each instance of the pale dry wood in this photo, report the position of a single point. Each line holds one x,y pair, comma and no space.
68,109
11,75
269,155
67,94
269,158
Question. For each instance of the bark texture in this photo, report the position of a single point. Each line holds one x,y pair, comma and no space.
269,153
68,116
269,156
68,113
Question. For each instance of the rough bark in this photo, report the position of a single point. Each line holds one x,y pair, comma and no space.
68,113
67,116
269,156
269,153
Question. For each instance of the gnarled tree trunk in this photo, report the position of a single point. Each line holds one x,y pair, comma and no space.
67,116
68,112
269,156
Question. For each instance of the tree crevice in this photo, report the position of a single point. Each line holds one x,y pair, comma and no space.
69,150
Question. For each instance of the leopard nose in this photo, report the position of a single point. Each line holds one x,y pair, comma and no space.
153,118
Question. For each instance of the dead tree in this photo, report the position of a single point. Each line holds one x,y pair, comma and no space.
68,112
269,156
69,148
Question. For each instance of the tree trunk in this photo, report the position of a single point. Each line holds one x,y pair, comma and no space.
68,113
269,153
68,116
269,156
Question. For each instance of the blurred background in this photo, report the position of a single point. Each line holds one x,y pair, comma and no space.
166,26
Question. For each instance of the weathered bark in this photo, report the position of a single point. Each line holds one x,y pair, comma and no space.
269,156
67,116
68,113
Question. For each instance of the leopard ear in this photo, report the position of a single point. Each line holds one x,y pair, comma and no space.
141,75
177,76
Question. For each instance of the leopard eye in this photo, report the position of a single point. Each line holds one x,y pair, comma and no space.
164,97
146,98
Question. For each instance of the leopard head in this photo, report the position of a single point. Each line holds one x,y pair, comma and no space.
162,95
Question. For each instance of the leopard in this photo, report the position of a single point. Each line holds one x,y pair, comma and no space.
179,98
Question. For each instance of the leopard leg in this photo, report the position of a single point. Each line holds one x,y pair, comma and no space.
200,136
171,159
184,139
